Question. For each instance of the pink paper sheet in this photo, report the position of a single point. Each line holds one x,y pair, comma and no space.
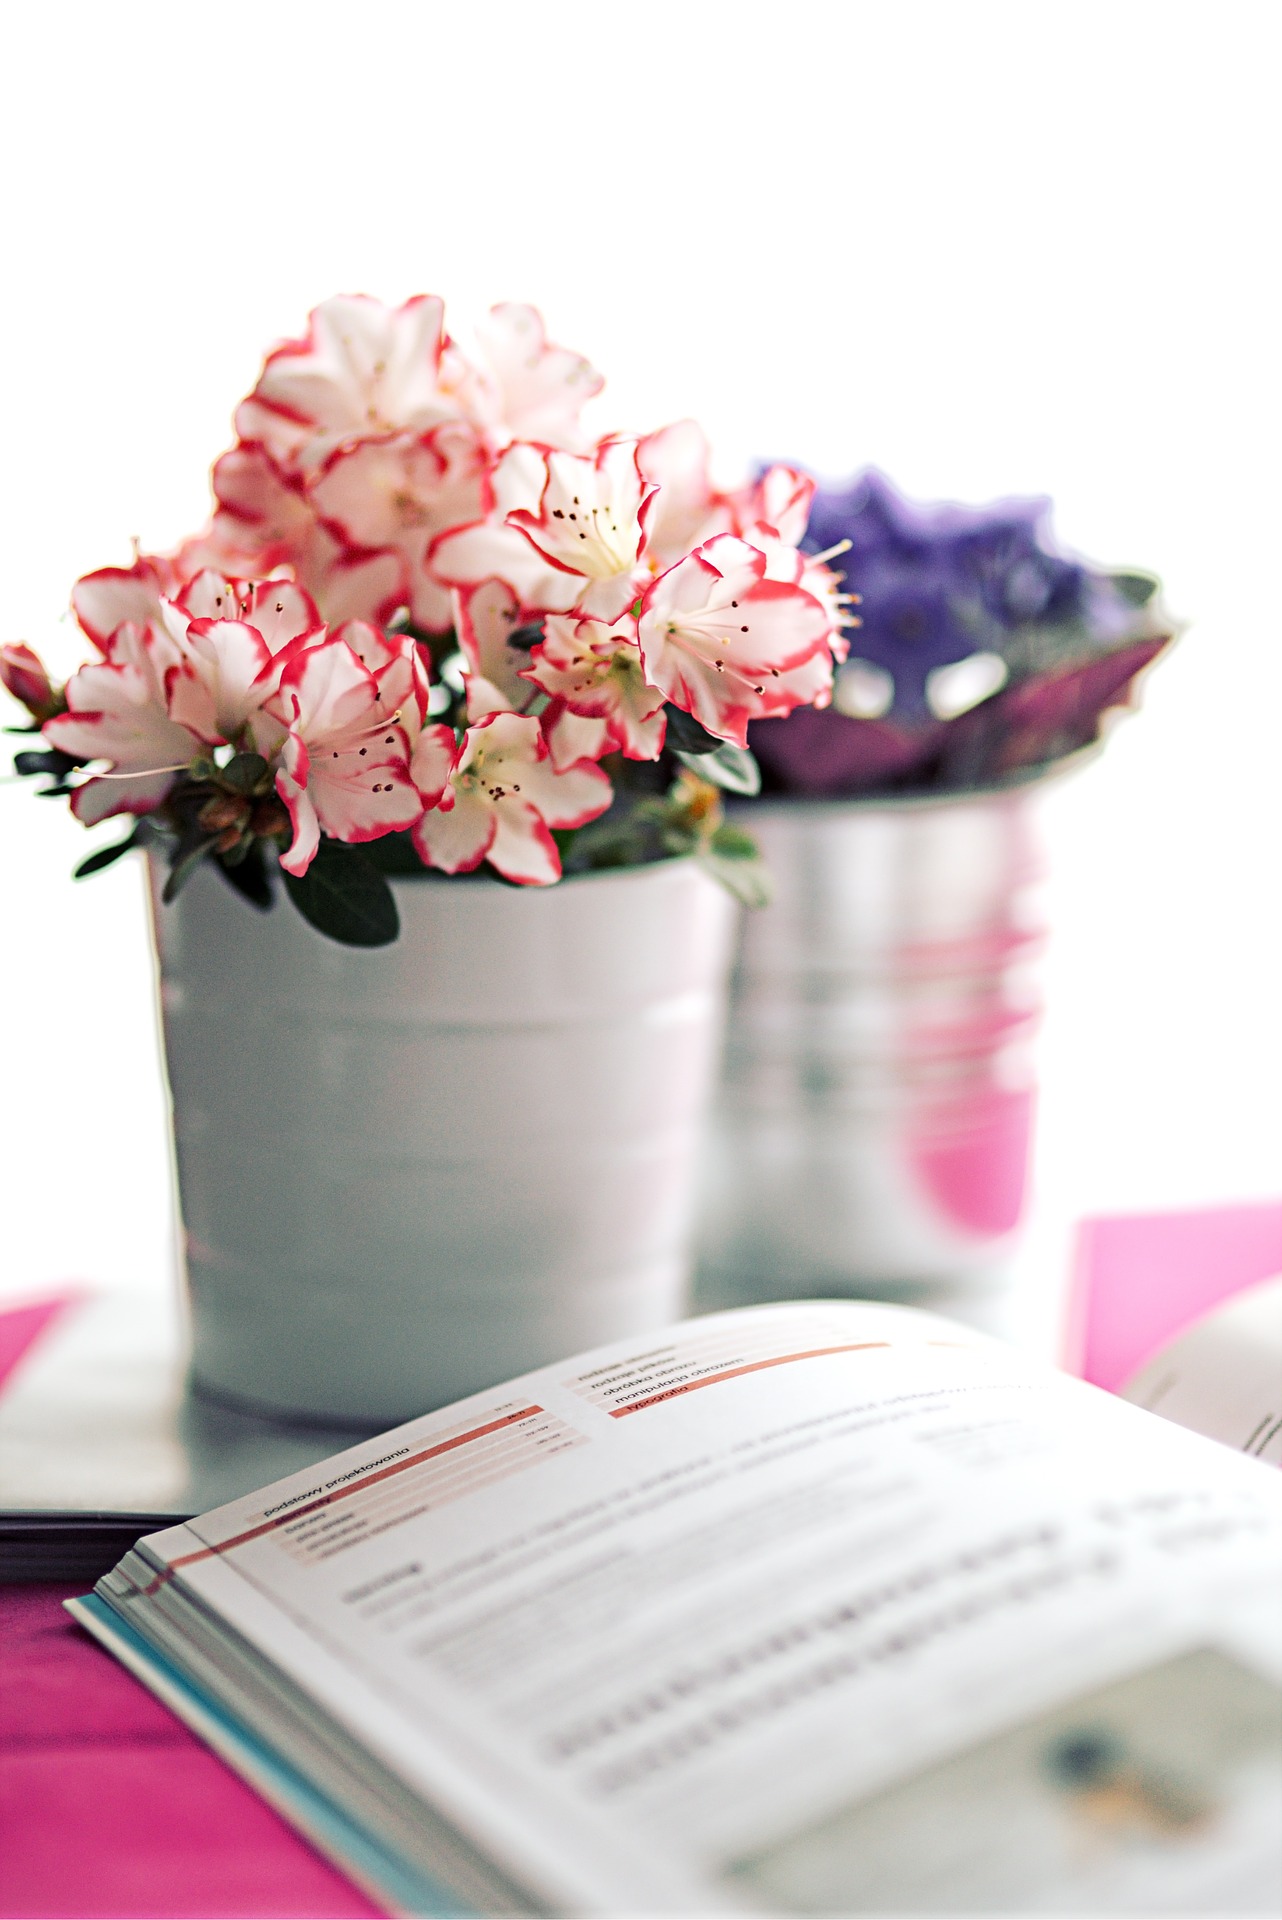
109,1806
1139,1278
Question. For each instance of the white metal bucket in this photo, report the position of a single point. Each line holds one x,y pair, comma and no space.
407,1173
873,1126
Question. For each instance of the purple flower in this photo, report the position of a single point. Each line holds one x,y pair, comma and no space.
971,661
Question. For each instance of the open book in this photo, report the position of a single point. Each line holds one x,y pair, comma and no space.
827,1608
1222,1375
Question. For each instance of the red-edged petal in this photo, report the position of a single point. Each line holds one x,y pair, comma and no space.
282,612
486,617
455,840
231,661
291,785
522,849
539,389
780,500
686,508
595,670
730,646
572,737
362,368
102,799
432,762
104,600
355,586
118,714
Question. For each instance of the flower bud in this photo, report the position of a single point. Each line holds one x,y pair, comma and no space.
269,818
25,678
698,799
224,810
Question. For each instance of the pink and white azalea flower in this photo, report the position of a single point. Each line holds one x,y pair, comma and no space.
344,765
22,674
235,666
224,634
564,530
729,644
590,525
779,500
229,680
279,610
112,596
504,794
362,368
687,508
399,666
525,388
486,617
399,492
118,711
811,572
595,670
572,737
397,662
493,548
266,519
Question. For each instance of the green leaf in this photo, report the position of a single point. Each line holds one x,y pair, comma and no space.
53,760
733,768
249,877
395,853
678,839
345,897
244,772
188,856
1137,588
747,879
106,856
733,843
685,734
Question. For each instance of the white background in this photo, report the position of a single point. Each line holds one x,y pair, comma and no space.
994,248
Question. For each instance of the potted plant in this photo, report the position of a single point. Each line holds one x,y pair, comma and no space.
875,1119
436,650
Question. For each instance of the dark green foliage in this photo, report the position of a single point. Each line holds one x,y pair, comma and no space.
523,638
50,760
191,850
246,773
345,897
395,854
1136,588
685,734
106,856
733,768
248,874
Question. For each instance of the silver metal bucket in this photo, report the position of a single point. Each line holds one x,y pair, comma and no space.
409,1173
873,1126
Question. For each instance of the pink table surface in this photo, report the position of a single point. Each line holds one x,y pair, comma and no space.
109,1806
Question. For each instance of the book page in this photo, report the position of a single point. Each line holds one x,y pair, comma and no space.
711,1622
1223,1375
